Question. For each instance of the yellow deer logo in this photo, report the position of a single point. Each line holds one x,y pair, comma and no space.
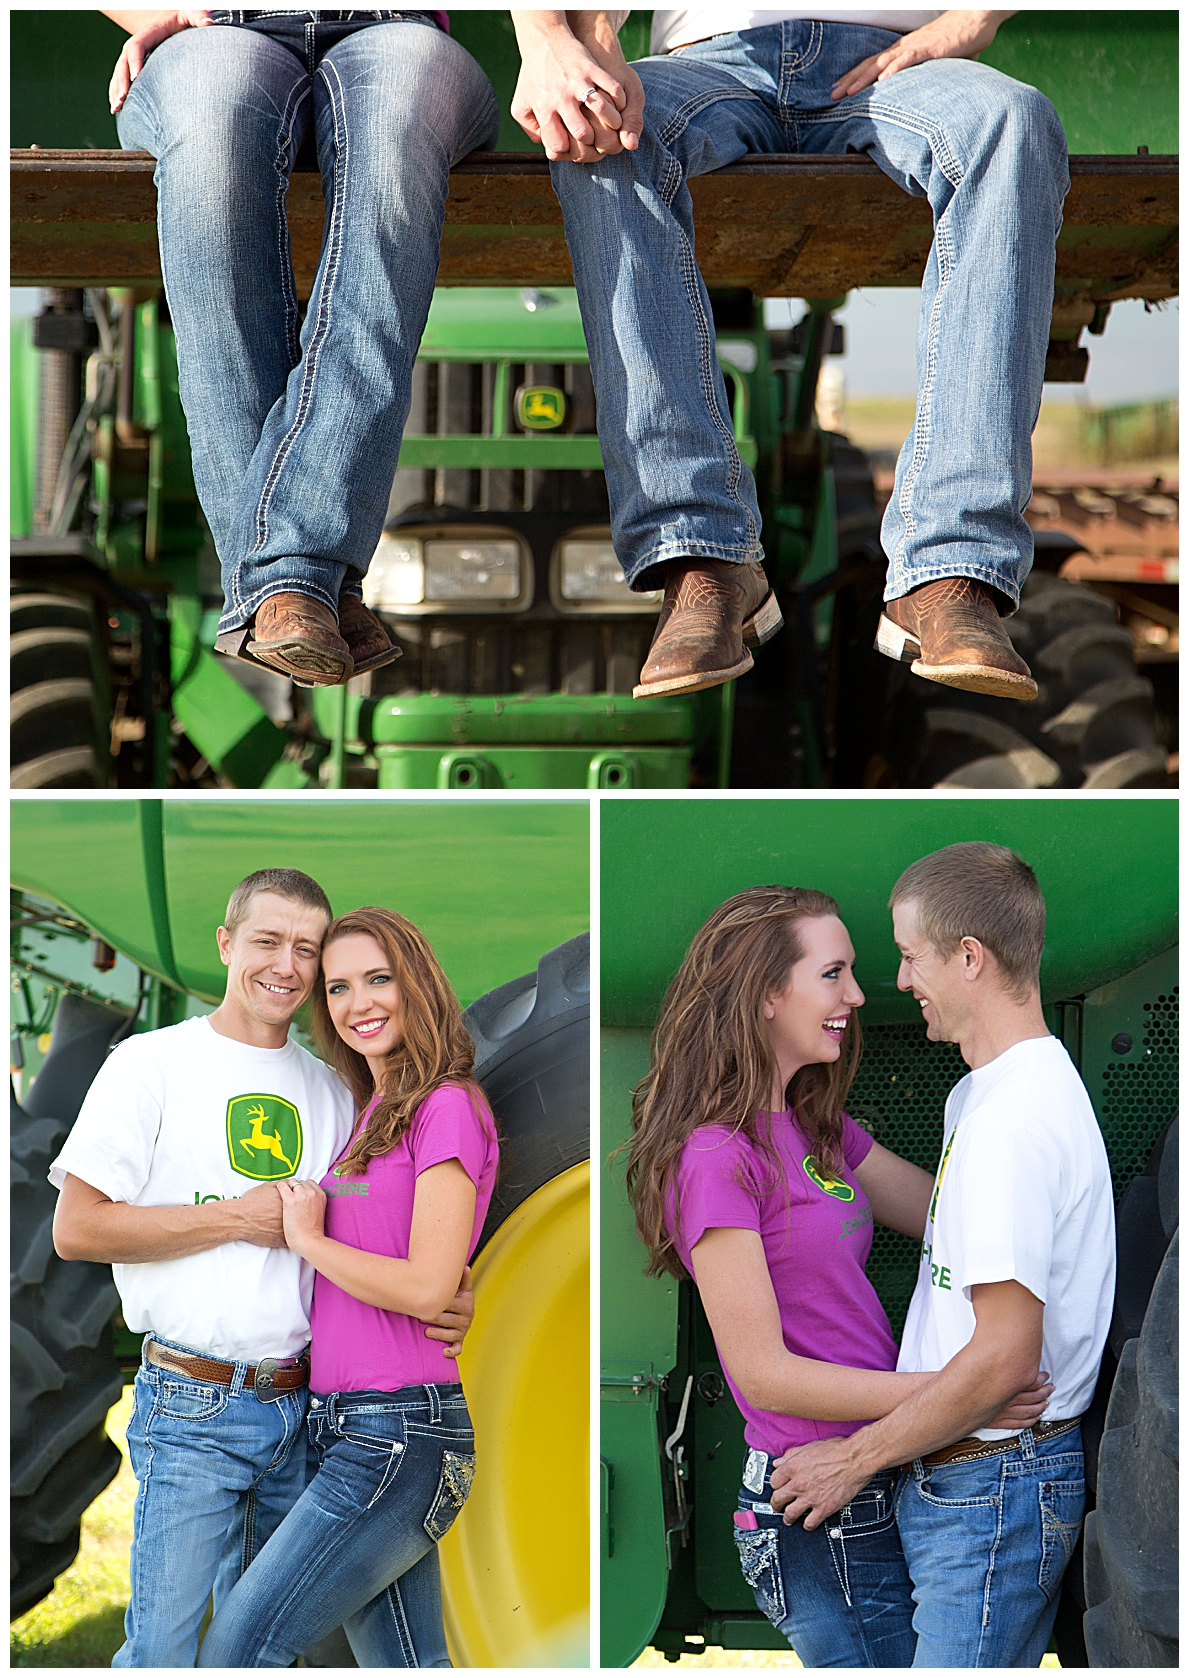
258,1118
263,1136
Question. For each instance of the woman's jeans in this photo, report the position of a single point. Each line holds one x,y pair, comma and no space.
988,1542
359,1548
295,428
218,1471
841,1593
989,155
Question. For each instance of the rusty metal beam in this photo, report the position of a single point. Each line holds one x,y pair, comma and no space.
780,225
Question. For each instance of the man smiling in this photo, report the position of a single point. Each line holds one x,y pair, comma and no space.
170,1175
1017,1271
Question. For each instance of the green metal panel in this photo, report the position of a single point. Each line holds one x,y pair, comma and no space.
638,1336
491,323
1111,74
1133,1085
23,379
101,859
526,767
1107,868
61,65
493,885
510,719
532,452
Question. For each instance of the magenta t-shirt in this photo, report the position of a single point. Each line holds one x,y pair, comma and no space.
355,1346
816,1240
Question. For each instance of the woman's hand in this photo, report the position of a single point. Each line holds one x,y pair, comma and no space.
303,1209
952,35
149,30
1027,1407
558,71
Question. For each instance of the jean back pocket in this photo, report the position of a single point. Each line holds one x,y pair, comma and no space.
454,1487
759,1556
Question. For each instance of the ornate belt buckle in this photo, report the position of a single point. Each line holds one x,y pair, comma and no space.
266,1380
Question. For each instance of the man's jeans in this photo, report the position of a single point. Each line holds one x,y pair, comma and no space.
218,1472
989,155
360,1549
295,429
987,1543
841,1593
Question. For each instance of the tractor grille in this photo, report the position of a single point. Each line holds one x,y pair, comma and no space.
1138,1098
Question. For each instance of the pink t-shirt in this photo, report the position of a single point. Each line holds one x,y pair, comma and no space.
356,1347
816,1240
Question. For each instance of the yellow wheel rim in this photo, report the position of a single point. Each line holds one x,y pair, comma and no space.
516,1563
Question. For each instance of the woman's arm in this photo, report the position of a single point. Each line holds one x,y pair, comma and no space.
898,1191
148,30
420,1286
736,1289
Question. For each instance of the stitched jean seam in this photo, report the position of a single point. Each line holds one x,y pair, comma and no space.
284,254
682,116
396,1608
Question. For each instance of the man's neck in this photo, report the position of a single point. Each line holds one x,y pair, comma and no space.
242,1028
999,1028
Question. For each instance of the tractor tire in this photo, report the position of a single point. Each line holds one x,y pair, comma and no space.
60,703
532,1057
1092,724
64,1376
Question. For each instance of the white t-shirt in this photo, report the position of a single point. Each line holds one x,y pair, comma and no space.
182,1116
678,29
1023,1193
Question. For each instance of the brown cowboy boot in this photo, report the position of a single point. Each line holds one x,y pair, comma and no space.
366,638
299,637
950,632
713,612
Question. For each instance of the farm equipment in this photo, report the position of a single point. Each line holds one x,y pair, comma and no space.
671,1436
496,571
115,908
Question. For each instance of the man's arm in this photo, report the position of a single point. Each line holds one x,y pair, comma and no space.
87,1225
1001,1358
564,55
952,35
147,30
898,1191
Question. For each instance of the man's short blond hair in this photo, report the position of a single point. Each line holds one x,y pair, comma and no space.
984,891
289,883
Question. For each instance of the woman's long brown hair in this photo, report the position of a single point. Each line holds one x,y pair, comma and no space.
435,1047
711,1061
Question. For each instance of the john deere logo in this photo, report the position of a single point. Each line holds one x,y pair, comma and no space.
263,1136
540,407
832,1185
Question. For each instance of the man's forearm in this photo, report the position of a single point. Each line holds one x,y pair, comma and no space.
114,1233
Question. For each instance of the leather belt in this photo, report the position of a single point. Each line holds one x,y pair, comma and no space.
966,1450
268,1379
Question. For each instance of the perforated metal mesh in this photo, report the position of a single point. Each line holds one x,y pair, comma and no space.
1137,1098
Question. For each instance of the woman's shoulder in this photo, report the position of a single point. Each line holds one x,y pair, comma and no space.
457,1101
712,1144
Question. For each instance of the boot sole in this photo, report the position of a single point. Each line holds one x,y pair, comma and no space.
378,660
305,662
763,624
695,682
900,644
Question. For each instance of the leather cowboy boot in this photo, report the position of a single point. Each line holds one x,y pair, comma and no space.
300,637
366,638
950,632
713,612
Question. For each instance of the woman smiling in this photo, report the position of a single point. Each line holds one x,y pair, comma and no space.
388,1231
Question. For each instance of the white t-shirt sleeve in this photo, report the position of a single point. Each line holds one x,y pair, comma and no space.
1005,1206
111,1144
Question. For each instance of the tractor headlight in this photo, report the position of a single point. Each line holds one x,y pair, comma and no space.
449,568
586,576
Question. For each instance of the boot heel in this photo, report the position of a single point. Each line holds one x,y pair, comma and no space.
897,643
763,624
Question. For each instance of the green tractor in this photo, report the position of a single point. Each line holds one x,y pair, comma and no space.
115,907
671,1437
496,572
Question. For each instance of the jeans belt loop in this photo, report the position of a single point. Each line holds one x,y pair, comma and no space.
435,1406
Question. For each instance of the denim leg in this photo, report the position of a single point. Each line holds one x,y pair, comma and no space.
675,481
840,1593
197,1451
990,156
395,106
987,1543
391,1480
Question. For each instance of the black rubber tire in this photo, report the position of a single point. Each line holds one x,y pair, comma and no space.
59,720
1093,723
64,1376
532,1057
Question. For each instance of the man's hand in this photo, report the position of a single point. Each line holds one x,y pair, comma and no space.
260,1210
952,35
576,94
815,1480
149,29
452,1324
303,1207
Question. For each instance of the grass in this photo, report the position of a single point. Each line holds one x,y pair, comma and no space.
745,1657
81,1622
